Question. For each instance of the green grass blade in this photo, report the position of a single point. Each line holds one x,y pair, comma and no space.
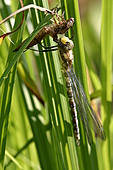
14,160
5,104
106,74
14,60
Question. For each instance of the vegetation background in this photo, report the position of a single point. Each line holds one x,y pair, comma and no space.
40,135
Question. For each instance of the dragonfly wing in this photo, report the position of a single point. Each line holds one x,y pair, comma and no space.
80,108
87,114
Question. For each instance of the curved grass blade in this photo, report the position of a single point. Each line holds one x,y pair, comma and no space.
14,60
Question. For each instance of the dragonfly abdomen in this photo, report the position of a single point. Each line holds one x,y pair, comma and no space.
73,111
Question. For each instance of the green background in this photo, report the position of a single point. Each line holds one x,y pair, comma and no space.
41,136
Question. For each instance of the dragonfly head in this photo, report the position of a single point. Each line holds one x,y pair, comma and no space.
65,44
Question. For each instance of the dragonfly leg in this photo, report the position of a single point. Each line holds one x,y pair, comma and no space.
49,47
63,15
58,18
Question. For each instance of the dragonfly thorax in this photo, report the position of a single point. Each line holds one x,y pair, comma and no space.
65,46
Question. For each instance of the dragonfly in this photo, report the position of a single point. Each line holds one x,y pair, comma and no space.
78,101
66,60
76,95
59,26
